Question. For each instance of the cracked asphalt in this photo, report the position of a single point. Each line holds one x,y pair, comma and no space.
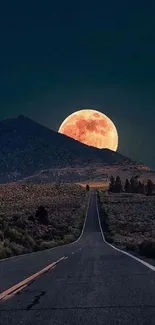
94,284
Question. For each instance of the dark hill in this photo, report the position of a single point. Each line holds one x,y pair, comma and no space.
26,147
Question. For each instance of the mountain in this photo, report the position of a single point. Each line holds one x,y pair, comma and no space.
27,147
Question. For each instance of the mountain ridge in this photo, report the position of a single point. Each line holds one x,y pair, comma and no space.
28,147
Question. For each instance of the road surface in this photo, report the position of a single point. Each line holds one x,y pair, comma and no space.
94,284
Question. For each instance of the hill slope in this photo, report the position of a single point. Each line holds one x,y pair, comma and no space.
26,147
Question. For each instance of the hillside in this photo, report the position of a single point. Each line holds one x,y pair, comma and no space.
28,147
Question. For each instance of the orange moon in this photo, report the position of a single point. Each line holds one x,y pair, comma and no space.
91,127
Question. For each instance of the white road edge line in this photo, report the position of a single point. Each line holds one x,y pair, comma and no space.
119,250
74,242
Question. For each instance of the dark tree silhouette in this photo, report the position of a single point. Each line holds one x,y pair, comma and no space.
141,188
150,187
134,184
112,184
87,187
118,185
127,186
31,218
42,215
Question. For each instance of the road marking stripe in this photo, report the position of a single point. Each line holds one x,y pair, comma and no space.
151,267
14,292
29,279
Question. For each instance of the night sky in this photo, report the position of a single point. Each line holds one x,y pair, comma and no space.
58,57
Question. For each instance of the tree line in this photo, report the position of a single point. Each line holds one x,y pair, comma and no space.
134,185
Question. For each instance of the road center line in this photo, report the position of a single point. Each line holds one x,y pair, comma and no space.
29,279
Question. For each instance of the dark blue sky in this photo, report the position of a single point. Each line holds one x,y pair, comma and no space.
56,57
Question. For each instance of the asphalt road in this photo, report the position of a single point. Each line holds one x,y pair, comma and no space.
94,285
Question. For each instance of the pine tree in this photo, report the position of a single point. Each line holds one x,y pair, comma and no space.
134,184
140,187
112,184
143,189
42,215
127,186
118,185
150,186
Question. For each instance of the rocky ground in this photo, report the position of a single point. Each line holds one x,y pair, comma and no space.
20,230
128,221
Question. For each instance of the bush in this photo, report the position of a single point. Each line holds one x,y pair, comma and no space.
26,225
17,249
147,248
5,252
42,215
29,242
47,244
16,217
69,239
20,223
31,218
12,234
1,236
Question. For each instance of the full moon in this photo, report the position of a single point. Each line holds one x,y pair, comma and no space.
91,127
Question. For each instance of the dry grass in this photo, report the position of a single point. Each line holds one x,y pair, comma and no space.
66,206
128,221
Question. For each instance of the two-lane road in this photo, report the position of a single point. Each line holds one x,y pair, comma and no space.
94,284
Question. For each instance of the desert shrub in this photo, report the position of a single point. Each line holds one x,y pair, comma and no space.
109,238
69,238
42,215
47,244
17,249
5,251
1,235
31,218
3,224
131,246
20,223
16,217
25,224
28,241
13,234
147,248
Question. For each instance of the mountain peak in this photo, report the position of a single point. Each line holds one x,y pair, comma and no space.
28,147
21,116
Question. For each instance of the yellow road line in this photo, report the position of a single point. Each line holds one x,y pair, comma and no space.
14,292
29,279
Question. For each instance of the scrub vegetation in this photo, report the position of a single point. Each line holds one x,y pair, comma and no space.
36,217
128,221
